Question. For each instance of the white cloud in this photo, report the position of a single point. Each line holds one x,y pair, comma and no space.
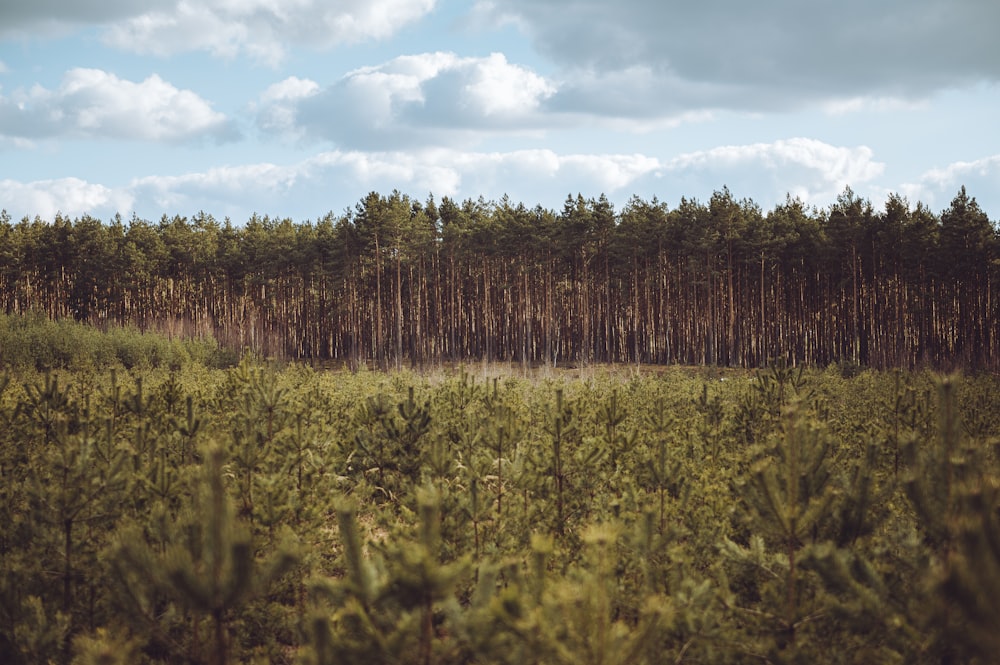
343,177
442,99
262,29
332,180
290,89
614,172
337,179
70,196
384,171
497,88
277,106
412,100
988,167
833,164
980,177
224,187
92,103
812,170
531,176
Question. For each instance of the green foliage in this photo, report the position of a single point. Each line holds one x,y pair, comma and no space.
34,342
387,440
388,608
282,514
576,618
208,568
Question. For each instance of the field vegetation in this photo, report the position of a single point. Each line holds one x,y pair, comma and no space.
163,510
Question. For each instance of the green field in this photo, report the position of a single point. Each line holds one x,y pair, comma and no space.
175,513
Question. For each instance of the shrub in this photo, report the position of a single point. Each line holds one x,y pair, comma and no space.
35,342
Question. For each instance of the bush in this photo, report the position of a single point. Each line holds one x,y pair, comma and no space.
35,342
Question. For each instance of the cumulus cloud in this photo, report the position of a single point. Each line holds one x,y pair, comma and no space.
496,88
814,171
332,180
276,108
809,169
336,179
339,178
220,188
980,177
411,100
532,176
92,103
544,176
290,89
261,29
70,196
759,55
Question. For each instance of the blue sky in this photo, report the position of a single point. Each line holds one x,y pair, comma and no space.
294,108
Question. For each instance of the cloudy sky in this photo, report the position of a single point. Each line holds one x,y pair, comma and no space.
294,108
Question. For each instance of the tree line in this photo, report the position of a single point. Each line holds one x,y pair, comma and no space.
399,281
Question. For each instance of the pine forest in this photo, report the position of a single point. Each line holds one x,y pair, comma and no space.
477,433
397,282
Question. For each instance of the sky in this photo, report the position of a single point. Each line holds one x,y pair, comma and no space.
298,108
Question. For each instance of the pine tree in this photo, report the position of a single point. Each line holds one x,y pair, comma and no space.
789,493
388,608
574,619
208,568
71,488
662,465
561,427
